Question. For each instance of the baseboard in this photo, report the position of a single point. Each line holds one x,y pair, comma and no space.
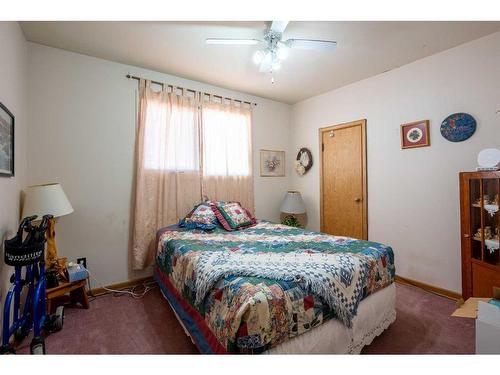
429,288
120,286
399,279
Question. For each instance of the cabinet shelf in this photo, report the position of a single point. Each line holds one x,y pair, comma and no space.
490,240
493,207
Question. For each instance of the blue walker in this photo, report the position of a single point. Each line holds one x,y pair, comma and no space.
28,254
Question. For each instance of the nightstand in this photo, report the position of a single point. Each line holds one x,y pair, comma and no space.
74,292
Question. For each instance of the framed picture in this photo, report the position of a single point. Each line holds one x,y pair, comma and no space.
415,134
272,163
6,142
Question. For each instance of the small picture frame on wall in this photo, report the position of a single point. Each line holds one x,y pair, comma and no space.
415,134
6,142
272,163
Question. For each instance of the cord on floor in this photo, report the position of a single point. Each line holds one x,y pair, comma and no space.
136,291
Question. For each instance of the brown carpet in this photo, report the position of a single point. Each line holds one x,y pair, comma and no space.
123,325
424,326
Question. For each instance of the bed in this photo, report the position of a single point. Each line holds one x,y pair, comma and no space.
276,289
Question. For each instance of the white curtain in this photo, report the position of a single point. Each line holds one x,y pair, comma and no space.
167,166
186,150
227,153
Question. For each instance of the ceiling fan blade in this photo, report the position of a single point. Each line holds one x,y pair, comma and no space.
325,45
279,26
232,41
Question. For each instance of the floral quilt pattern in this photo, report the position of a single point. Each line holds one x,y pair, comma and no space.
202,214
249,314
234,214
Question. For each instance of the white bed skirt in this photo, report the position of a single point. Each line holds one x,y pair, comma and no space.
375,314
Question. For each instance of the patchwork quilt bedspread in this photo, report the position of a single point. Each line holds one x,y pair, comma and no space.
258,287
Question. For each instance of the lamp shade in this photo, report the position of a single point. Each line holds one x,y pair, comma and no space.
293,203
47,199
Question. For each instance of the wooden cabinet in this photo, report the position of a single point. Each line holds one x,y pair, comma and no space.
480,222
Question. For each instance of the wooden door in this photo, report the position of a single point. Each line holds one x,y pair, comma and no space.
343,180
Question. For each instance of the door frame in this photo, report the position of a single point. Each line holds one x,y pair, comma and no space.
361,123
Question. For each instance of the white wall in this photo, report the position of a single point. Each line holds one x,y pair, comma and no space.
13,71
82,114
413,197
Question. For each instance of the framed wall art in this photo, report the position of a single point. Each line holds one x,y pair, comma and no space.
415,134
272,163
6,142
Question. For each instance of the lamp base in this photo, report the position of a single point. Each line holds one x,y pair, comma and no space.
294,220
51,252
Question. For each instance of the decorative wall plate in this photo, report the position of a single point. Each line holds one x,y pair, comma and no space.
303,161
458,127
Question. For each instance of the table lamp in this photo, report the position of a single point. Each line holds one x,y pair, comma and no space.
293,210
47,199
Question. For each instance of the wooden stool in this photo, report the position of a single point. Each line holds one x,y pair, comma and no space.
59,295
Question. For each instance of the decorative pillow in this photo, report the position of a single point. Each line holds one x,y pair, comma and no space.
232,216
201,217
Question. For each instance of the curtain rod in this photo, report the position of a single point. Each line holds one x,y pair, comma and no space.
129,76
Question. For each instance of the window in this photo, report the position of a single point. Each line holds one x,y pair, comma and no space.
226,141
171,138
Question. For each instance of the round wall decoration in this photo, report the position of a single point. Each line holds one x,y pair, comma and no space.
304,161
458,127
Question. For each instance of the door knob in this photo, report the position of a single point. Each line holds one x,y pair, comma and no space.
357,200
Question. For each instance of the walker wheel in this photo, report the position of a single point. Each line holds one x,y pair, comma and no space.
7,350
21,333
59,319
37,346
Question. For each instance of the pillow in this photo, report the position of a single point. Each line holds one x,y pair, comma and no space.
232,216
200,217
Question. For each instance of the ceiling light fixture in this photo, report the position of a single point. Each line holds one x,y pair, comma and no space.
258,57
276,49
283,51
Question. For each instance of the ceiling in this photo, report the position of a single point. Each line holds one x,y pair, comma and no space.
364,49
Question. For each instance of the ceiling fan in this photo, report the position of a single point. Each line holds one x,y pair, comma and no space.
276,49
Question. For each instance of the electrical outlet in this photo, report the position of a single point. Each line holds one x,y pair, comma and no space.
82,262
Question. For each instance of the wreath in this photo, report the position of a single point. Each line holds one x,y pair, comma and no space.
304,161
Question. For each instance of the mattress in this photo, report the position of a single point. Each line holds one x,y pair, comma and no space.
251,314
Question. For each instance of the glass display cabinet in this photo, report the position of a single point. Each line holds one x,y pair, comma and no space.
480,222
